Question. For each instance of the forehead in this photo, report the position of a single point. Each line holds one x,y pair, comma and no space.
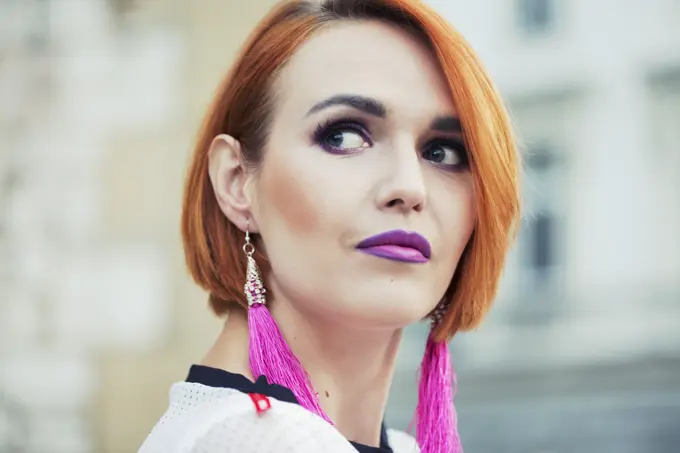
367,58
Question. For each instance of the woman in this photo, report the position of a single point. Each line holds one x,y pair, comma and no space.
359,156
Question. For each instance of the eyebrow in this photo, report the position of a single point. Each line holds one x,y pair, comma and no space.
446,124
374,107
365,104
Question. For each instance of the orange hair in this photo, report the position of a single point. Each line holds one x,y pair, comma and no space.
242,108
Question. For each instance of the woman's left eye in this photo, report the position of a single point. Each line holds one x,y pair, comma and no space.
445,154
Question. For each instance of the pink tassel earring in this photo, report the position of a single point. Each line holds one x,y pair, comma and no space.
269,353
437,423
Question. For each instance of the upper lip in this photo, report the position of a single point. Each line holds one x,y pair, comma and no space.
399,238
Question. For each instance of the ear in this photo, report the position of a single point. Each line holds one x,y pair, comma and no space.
230,178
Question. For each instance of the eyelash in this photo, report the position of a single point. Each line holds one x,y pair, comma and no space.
325,129
328,127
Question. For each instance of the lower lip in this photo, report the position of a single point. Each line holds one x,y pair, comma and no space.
396,253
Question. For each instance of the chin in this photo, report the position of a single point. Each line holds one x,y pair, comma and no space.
395,306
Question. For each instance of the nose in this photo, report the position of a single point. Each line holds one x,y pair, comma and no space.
403,188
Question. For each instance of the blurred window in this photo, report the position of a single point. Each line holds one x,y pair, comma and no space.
122,7
39,37
535,16
541,225
664,152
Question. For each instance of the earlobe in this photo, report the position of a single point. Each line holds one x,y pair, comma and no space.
229,177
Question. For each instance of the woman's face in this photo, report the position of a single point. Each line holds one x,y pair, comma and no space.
365,140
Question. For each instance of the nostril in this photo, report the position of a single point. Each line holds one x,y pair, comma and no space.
393,203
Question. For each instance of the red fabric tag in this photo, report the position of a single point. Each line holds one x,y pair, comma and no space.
261,402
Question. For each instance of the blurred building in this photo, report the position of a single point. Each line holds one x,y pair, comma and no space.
100,100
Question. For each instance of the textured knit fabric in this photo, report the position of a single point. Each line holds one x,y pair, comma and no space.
213,419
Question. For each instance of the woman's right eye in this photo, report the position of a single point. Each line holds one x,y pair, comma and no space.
342,138
345,140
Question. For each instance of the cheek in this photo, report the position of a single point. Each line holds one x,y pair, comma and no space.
469,213
459,209
291,198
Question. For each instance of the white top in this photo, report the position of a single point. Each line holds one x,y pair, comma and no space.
204,419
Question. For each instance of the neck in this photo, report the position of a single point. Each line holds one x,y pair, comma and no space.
350,369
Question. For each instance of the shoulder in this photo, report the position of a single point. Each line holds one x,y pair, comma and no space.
402,442
204,419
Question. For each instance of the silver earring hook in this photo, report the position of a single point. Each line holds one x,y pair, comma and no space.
248,248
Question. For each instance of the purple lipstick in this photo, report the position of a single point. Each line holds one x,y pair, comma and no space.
398,245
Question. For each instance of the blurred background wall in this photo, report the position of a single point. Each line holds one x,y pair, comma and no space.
99,103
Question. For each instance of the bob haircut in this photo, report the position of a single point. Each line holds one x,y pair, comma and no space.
242,108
